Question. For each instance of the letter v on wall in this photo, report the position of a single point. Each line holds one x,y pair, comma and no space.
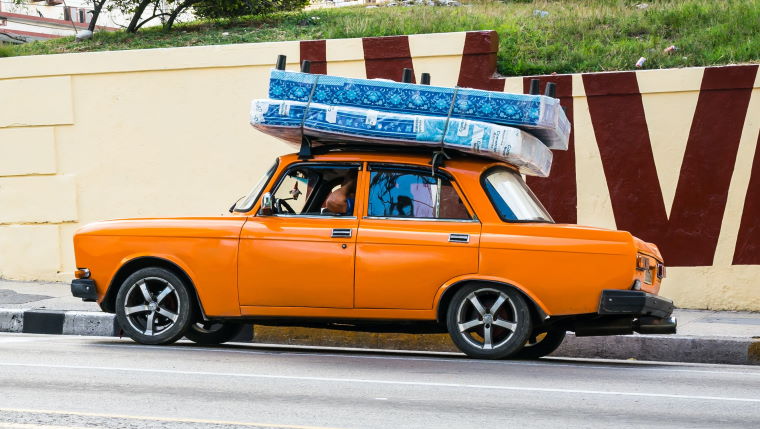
689,236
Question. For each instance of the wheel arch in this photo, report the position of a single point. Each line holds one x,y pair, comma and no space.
133,265
538,312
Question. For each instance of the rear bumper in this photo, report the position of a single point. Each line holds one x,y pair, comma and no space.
623,312
615,302
85,289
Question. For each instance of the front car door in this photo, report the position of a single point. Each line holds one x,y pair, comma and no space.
303,254
416,233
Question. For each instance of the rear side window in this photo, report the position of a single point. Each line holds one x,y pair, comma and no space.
402,193
512,198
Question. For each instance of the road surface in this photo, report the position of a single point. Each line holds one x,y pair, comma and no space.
66,381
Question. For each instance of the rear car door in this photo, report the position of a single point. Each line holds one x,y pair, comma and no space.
416,233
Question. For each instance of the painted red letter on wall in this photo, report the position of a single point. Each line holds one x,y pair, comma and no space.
690,236
748,243
558,192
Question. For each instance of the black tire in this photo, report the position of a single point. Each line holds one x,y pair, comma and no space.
470,327
154,306
212,333
541,344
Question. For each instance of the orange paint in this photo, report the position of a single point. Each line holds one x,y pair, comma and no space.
291,266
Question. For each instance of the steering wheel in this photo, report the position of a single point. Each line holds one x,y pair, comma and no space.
280,203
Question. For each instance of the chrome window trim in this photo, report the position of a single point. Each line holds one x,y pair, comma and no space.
309,216
424,219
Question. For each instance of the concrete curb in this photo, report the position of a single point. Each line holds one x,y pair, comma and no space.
58,322
669,348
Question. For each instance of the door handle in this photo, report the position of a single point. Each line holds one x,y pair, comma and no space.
459,238
341,233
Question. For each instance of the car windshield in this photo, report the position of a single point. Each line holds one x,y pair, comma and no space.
512,198
246,203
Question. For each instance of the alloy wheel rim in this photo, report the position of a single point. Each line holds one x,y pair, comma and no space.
152,306
487,319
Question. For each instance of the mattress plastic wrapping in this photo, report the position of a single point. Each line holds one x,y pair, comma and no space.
284,119
539,115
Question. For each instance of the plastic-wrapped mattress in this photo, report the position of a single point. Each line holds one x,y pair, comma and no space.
288,119
539,115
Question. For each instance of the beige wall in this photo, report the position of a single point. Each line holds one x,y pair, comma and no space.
164,132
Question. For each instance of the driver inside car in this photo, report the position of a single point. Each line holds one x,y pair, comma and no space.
341,200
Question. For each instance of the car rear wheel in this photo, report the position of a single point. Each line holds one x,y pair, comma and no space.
540,344
488,322
153,306
212,332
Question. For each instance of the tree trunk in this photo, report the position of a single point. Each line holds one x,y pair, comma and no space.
95,14
139,26
175,13
136,17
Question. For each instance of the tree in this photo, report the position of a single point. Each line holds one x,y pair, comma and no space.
169,10
96,13
233,8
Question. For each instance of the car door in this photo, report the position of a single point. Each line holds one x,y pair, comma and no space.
416,233
302,255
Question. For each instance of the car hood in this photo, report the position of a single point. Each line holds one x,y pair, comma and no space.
207,227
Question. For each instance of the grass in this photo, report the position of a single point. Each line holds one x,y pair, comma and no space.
576,36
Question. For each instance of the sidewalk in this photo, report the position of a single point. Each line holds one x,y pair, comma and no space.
703,336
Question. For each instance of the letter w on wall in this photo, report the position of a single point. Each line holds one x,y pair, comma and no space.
690,235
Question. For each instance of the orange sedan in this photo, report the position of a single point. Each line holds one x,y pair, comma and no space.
377,240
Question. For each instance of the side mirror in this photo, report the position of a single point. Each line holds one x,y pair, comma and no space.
267,204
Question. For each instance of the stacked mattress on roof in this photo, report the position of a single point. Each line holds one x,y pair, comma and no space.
283,119
516,128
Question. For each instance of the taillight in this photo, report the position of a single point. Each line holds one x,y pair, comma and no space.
642,263
82,273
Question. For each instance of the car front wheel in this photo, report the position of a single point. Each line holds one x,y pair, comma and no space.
488,322
153,306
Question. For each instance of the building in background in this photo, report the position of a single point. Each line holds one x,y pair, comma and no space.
31,20
41,20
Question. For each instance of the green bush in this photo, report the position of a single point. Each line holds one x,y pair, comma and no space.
6,50
233,8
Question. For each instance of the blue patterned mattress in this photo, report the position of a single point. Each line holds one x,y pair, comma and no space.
541,116
283,119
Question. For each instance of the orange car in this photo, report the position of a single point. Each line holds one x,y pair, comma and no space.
377,240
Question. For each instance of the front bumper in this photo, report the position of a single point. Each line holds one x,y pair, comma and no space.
85,289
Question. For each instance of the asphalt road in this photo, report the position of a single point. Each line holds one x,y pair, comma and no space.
64,381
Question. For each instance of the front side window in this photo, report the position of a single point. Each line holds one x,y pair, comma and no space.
512,198
246,203
317,190
401,193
